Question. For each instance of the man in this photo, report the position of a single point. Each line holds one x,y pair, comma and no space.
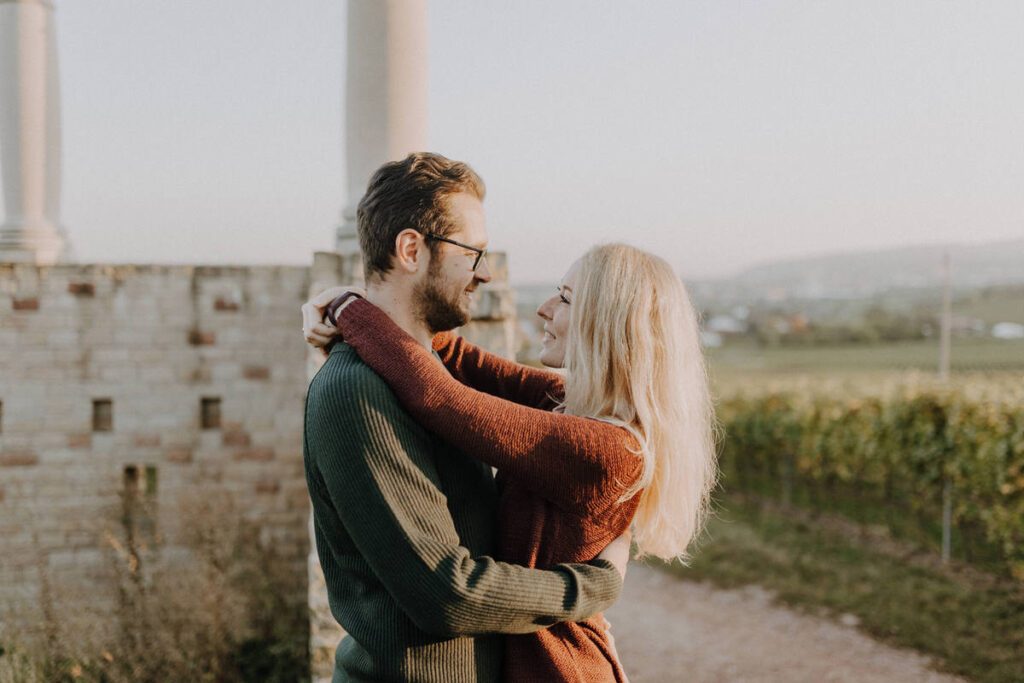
404,522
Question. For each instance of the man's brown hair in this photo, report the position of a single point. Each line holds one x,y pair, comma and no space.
411,193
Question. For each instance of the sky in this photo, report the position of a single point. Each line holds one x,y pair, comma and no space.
717,134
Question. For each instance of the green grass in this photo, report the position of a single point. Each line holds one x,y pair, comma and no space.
972,623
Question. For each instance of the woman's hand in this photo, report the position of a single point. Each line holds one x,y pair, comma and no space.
617,552
317,331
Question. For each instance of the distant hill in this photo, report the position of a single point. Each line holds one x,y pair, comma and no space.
858,275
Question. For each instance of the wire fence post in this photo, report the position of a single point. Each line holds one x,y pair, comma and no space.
944,363
787,479
947,519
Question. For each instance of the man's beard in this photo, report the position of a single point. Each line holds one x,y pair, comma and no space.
438,309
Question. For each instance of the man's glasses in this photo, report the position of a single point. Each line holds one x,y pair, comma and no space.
480,253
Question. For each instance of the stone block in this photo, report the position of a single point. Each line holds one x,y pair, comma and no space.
256,372
82,539
83,289
254,455
225,304
211,473
18,458
237,437
497,336
199,338
178,455
497,263
200,375
494,304
107,355
297,499
62,339
118,374
63,560
156,373
80,440
225,372
268,485
146,440
25,304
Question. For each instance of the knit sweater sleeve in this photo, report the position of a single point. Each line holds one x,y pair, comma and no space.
494,375
376,467
578,463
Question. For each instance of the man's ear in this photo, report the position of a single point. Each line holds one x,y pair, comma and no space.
410,251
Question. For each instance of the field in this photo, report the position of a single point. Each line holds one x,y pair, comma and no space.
966,355
833,469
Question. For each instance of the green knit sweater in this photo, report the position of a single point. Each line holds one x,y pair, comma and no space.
404,528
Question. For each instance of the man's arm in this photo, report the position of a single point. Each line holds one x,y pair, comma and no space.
376,466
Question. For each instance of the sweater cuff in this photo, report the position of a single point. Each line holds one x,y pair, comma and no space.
599,585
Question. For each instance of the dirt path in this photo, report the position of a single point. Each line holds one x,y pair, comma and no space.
671,630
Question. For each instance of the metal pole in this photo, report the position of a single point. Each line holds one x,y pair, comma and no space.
944,359
947,319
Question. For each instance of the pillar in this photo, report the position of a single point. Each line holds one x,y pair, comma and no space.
385,95
30,134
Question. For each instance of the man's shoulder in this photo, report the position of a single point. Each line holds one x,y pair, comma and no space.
348,403
344,376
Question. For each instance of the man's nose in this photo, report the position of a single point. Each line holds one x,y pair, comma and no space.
483,271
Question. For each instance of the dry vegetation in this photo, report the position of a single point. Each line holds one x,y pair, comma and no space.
211,608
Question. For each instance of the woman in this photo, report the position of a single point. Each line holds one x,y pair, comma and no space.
626,438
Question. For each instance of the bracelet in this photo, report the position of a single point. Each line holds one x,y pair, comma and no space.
336,306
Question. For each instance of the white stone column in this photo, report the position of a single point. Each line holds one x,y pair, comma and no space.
30,134
385,95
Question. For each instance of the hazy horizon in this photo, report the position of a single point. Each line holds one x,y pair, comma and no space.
721,135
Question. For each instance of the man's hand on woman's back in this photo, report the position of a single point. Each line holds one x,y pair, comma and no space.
617,552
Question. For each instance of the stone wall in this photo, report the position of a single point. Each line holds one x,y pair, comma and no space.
493,327
103,374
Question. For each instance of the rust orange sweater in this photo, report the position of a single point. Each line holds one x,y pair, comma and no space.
560,476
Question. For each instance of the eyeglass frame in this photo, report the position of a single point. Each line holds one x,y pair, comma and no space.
480,253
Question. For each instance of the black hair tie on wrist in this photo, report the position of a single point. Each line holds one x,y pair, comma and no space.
337,304
331,313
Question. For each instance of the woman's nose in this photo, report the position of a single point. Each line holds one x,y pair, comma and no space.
544,309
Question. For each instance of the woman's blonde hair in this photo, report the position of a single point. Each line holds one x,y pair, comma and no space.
634,358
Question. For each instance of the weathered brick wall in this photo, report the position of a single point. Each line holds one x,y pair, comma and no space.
155,341
493,327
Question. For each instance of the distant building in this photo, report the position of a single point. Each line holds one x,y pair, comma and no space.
967,326
710,340
1008,331
725,325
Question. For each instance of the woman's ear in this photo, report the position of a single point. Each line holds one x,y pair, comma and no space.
410,251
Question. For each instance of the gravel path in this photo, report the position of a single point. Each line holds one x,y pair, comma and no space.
668,630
